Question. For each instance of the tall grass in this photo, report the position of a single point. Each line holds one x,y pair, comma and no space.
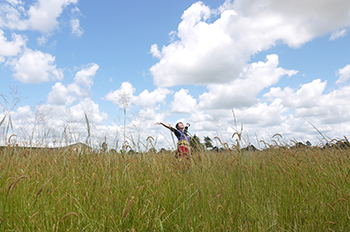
272,190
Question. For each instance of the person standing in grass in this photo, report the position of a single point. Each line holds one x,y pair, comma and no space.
183,145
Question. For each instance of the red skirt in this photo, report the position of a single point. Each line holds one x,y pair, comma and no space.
183,150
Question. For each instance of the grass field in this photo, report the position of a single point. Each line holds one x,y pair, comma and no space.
271,190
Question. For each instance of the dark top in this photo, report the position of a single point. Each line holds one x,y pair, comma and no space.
181,135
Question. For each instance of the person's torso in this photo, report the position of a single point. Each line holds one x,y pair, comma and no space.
181,135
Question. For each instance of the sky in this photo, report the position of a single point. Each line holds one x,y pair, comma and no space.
270,70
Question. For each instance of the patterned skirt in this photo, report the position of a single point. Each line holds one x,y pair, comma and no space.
183,150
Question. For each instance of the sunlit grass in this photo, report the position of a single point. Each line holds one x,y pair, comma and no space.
272,190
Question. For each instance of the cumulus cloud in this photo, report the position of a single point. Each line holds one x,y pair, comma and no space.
12,15
77,90
183,102
307,95
148,99
263,114
344,74
215,52
59,95
85,76
43,124
41,16
35,67
123,97
91,108
144,100
242,92
11,48
155,51
199,55
310,102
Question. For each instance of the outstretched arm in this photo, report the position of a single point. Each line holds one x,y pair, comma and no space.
186,127
160,123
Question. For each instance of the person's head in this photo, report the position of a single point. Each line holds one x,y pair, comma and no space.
179,125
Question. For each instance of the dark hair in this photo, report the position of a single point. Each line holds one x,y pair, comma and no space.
177,124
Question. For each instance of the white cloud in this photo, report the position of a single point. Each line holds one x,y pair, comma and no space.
262,114
215,52
338,34
75,23
12,15
183,102
35,67
310,102
155,51
148,99
11,48
200,55
145,99
344,74
15,2
42,15
22,113
123,97
307,95
59,95
76,29
91,109
62,124
42,40
242,92
85,76
66,95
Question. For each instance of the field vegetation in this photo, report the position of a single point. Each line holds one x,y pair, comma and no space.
297,188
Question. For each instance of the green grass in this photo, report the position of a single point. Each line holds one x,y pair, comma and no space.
272,190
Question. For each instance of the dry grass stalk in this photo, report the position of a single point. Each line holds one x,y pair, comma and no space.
330,206
68,214
335,186
128,207
31,217
13,184
149,202
340,199
9,140
115,225
218,208
42,187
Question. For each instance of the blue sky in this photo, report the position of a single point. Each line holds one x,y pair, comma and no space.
278,67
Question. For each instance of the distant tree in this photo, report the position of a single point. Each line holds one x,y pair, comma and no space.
308,143
250,147
196,143
104,147
207,142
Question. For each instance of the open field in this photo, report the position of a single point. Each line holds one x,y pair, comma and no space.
299,189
